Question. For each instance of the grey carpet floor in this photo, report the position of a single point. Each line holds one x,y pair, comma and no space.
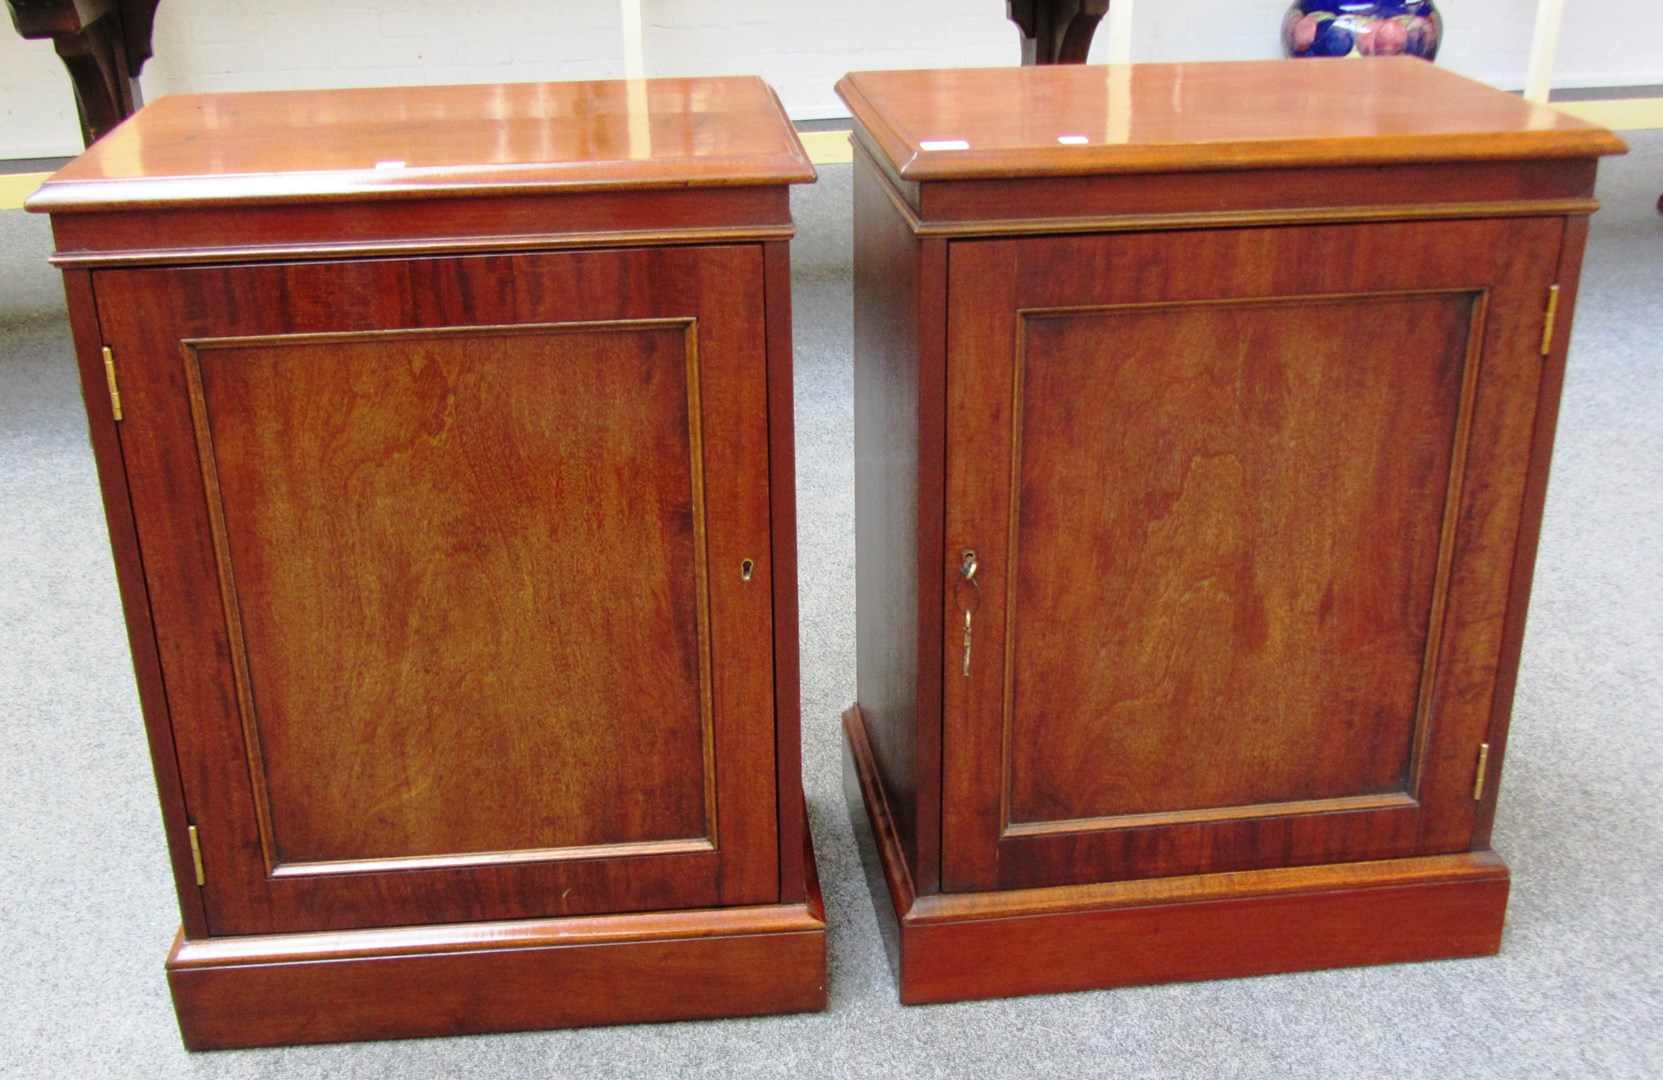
88,912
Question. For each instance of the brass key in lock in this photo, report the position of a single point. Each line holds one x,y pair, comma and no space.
967,576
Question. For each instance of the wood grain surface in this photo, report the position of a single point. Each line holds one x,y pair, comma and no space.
186,235
1249,393
1227,521
900,361
1257,198
104,433
451,607
466,979
453,511
467,684
965,946
782,538
1223,487
1554,362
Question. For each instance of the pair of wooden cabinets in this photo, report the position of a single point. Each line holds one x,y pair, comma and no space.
1203,417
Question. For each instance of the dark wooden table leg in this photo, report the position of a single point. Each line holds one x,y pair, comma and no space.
103,43
1056,31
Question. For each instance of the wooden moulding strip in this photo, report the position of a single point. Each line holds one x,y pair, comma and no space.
415,247
469,937
878,814
941,209
963,946
1243,219
279,990
212,233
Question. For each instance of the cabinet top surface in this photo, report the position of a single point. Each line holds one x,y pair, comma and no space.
1084,119
409,142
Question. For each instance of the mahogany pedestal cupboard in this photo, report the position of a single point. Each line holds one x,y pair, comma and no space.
1202,425
445,440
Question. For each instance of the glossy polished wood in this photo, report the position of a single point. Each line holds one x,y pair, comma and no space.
462,582
485,223
970,945
517,976
1270,639
431,656
105,437
382,143
782,493
1143,118
1191,571
1245,418
1530,517
414,171
384,484
1306,195
900,354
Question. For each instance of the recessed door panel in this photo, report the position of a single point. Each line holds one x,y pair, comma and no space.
444,559
513,655
1226,551
1243,506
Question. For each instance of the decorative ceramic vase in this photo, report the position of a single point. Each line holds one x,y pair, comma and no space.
1362,28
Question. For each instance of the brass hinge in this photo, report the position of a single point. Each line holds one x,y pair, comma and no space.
196,855
1483,768
1551,318
109,377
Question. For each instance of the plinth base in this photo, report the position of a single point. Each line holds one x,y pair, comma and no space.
962,946
467,979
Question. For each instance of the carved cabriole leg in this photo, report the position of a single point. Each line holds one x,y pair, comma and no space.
103,45
1056,31
105,94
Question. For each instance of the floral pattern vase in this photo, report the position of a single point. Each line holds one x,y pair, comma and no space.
1362,28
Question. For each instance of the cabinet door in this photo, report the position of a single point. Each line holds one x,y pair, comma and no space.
1244,507
444,559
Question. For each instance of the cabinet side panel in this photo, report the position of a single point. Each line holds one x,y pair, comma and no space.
892,526
931,559
135,597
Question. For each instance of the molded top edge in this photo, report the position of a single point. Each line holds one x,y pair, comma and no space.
414,142
1070,120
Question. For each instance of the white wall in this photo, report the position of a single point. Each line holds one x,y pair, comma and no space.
37,105
801,46
211,46
1601,43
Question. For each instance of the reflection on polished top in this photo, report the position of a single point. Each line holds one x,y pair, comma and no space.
404,142
1085,119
